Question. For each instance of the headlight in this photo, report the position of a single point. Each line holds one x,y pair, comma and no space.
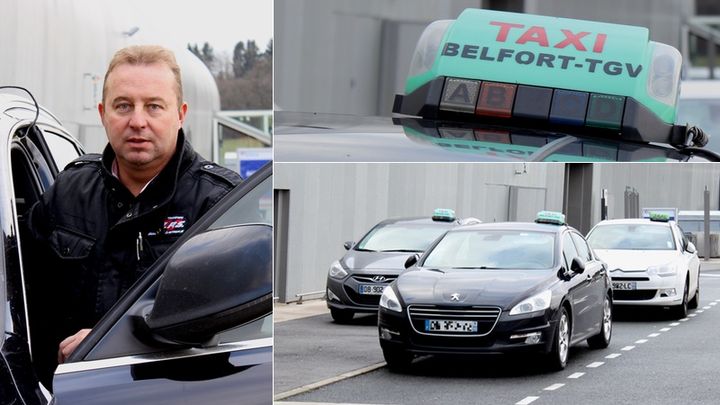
389,300
336,270
535,303
665,270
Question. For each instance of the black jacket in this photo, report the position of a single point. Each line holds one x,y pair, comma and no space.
98,238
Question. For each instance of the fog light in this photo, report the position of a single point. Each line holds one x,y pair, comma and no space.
668,292
331,296
387,334
530,338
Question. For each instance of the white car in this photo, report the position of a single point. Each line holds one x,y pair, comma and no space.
699,105
651,262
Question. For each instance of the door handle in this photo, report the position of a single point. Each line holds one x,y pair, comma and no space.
589,277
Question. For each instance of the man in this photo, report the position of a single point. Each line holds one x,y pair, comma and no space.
108,217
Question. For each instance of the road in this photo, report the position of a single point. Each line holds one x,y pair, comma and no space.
652,359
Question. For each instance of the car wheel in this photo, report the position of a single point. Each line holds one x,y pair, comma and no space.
602,339
397,359
557,358
341,315
695,302
681,310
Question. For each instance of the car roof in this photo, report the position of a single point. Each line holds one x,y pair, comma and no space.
645,221
418,221
516,226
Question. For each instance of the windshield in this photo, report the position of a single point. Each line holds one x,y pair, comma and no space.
702,113
400,237
493,249
632,237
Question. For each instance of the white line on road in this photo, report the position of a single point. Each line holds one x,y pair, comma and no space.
675,324
526,401
713,303
595,364
684,320
654,335
612,356
664,329
553,387
699,311
626,348
691,316
641,341
322,383
718,300
707,307
576,375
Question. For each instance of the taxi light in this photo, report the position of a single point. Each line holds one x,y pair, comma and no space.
659,217
605,111
663,81
426,49
532,102
460,95
496,99
443,214
550,217
568,107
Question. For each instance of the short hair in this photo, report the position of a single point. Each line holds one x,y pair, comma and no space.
146,55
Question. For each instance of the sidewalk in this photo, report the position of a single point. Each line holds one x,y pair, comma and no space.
287,312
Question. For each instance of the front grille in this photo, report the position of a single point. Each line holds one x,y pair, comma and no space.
369,278
631,279
486,318
634,295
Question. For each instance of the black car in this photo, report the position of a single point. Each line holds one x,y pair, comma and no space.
196,328
356,281
499,287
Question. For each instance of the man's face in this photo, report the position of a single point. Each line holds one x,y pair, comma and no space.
141,116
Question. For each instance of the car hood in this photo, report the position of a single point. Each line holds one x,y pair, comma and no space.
358,261
638,260
474,286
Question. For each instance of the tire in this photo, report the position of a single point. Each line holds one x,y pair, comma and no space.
341,315
557,358
695,301
681,311
397,360
602,339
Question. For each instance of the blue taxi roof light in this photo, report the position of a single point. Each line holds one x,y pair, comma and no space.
550,217
443,214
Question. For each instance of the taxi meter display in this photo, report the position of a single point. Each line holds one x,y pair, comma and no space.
490,66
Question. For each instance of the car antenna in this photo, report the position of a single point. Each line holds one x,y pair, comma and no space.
37,107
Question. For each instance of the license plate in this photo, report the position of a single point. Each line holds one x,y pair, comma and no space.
369,289
624,285
450,326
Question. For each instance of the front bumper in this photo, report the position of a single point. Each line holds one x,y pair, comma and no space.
527,333
343,294
651,290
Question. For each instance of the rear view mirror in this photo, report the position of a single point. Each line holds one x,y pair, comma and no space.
348,245
577,266
691,248
215,281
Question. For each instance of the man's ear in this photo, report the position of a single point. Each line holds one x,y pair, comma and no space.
101,110
181,113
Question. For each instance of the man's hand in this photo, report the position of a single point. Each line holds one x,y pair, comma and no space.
69,345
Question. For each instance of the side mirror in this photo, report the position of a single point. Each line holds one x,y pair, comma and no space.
412,260
215,281
691,248
577,266
348,245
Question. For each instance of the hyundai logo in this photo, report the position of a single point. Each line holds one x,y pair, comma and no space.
455,297
379,279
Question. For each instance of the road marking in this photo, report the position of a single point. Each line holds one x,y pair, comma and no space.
626,348
707,307
641,341
612,356
718,300
595,364
675,324
699,311
553,387
691,316
713,303
709,275
327,381
526,401
576,375
654,335
664,329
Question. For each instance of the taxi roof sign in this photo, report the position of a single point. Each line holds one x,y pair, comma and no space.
443,214
659,217
550,217
587,74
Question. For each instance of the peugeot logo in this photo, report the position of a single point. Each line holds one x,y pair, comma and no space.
379,279
455,297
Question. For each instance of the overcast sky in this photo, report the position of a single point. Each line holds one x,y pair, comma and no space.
222,23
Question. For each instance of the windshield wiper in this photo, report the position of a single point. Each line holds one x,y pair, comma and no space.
365,250
478,267
401,250
431,269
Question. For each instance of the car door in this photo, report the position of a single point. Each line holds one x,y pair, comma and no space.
596,272
124,360
580,291
691,259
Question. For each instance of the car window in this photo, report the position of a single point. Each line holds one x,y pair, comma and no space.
493,249
399,236
569,250
632,237
582,247
63,151
255,207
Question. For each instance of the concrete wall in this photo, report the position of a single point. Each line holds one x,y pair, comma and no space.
334,203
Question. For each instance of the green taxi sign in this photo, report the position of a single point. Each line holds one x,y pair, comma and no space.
494,65
550,217
443,214
659,217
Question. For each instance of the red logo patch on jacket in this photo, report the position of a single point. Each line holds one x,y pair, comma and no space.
174,225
